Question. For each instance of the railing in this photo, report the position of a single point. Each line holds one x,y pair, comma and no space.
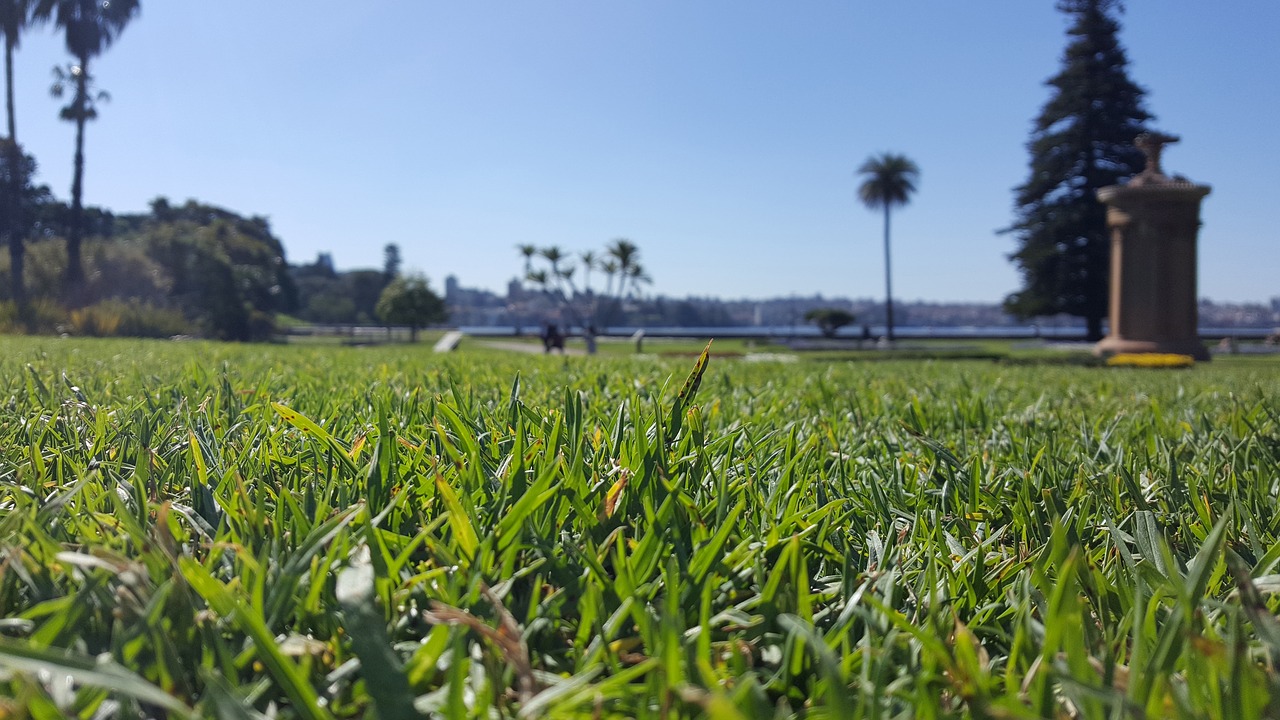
374,334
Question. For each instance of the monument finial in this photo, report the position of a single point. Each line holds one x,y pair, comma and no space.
1152,144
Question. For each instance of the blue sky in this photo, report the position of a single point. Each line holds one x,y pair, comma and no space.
719,135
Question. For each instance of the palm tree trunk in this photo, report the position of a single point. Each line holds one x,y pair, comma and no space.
8,90
11,227
605,315
888,280
75,268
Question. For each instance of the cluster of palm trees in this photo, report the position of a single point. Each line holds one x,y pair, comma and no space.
620,264
89,27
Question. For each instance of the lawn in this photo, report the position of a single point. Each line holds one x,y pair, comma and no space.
192,529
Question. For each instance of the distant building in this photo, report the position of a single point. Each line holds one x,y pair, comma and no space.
525,307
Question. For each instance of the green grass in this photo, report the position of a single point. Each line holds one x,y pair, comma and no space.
211,530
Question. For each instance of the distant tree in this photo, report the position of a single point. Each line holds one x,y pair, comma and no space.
889,181
364,287
623,266
326,295
408,300
1081,141
528,251
830,320
161,210
589,262
21,203
329,308
322,268
223,313
553,255
391,261
89,27
225,272
626,257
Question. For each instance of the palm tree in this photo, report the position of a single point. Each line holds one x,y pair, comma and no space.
15,16
553,255
624,257
89,26
889,180
627,255
610,270
82,108
528,251
589,263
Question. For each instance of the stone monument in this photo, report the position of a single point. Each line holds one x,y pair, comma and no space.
1154,220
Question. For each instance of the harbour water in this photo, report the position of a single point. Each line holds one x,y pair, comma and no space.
975,332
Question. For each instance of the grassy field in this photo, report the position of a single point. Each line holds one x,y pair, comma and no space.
192,529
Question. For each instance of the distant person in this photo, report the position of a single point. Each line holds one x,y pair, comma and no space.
589,335
552,339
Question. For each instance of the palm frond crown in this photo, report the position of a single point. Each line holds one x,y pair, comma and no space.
90,26
890,179
16,15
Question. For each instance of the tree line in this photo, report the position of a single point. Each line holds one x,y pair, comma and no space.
366,296
194,268
203,270
178,269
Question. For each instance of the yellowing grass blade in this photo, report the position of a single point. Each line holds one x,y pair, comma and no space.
688,391
309,427
615,492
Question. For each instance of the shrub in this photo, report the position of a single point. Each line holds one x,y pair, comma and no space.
830,320
44,317
99,320
112,318
143,320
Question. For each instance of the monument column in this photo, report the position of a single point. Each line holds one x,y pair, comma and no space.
1154,221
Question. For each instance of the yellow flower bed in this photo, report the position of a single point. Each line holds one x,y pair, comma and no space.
1150,360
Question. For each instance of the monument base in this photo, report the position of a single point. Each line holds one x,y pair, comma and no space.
1112,345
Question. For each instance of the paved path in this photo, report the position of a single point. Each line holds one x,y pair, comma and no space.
528,348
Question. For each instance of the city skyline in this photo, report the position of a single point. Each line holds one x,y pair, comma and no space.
481,307
722,138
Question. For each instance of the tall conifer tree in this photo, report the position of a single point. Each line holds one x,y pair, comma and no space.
1081,141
